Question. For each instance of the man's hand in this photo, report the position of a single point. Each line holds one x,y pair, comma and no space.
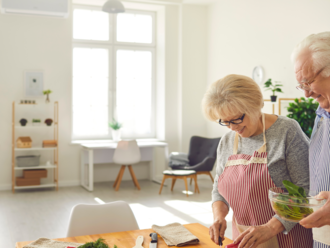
218,229
320,217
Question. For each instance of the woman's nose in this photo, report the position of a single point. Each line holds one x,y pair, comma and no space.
233,126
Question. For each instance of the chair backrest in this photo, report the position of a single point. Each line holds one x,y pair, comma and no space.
201,147
101,218
127,153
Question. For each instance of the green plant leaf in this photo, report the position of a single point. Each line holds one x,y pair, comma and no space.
303,111
293,189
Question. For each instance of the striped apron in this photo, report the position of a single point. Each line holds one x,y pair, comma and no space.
319,163
244,184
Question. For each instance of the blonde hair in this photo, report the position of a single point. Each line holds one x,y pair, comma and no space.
319,47
233,94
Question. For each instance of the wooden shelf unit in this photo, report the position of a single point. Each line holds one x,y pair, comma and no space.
55,153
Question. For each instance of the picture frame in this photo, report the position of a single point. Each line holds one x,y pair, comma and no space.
33,83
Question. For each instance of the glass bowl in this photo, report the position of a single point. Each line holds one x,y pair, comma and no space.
292,208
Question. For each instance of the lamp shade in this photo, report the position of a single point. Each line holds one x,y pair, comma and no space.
113,6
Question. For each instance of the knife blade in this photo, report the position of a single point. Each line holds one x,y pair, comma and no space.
154,240
139,242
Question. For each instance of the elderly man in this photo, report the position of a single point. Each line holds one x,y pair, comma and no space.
311,60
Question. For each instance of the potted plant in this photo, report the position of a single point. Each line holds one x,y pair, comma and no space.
36,122
115,125
274,88
23,122
303,111
47,92
48,122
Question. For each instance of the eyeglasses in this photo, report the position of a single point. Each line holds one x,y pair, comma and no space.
306,86
236,121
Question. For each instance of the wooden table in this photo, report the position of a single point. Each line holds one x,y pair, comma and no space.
127,239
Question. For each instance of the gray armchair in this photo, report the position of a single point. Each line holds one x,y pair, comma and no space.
202,155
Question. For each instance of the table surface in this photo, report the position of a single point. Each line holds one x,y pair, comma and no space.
113,145
127,239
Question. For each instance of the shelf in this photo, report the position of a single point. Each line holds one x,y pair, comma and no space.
36,186
30,126
36,167
36,149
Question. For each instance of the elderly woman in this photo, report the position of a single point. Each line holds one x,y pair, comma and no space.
259,152
312,68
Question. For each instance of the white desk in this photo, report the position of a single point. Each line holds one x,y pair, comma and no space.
101,153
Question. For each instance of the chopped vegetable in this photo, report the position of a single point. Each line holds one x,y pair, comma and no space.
97,244
292,212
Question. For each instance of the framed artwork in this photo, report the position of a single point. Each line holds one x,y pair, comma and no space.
33,83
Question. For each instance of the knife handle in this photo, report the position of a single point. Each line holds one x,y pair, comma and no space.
154,237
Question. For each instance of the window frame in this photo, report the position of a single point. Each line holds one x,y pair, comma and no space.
112,45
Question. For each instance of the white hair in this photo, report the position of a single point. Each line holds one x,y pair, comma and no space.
319,47
233,94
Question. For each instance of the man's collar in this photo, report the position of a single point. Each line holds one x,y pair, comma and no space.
322,112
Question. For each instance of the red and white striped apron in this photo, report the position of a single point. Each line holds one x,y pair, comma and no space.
244,184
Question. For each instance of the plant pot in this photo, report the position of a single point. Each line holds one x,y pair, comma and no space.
36,123
48,122
273,98
23,122
116,134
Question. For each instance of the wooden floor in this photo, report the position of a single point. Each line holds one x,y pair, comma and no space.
31,214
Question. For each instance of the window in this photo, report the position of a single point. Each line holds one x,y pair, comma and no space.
113,73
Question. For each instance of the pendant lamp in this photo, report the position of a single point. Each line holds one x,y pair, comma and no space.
113,6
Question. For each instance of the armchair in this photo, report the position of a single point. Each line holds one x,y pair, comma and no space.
202,155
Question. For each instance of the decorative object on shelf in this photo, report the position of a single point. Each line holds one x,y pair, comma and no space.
28,102
21,181
116,132
34,83
47,92
23,121
49,143
40,173
113,7
24,142
48,122
28,161
274,88
258,74
303,111
36,122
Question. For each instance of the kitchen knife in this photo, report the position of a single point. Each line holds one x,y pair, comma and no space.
154,240
139,242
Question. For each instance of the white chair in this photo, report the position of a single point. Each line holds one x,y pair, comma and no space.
101,218
126,154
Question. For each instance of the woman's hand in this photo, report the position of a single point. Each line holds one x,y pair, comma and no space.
256,235
320,217
218,230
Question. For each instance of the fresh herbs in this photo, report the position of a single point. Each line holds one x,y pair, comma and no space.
288,206
100,243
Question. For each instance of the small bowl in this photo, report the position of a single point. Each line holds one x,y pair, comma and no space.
292,208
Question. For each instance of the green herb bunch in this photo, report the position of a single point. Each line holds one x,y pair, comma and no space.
36,120
273,87
115,125
303,111
100,243
296,197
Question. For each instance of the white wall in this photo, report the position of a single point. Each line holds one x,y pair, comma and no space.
243,34
194,40
44,43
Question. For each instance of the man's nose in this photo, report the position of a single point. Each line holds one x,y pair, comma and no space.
308,93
